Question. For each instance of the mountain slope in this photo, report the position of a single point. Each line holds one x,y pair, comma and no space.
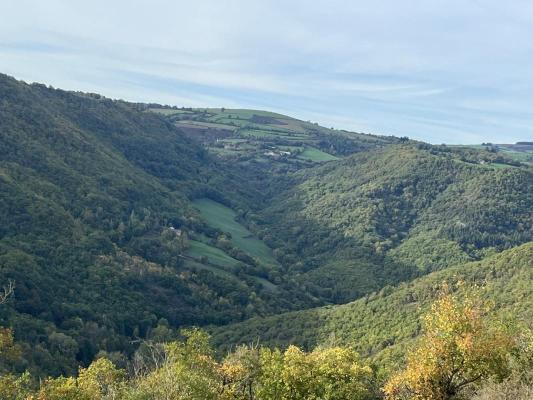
96,221
390,214
382,324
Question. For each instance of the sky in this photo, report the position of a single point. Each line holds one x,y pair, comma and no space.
457,72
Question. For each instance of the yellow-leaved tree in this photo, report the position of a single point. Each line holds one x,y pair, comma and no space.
459,348
325,373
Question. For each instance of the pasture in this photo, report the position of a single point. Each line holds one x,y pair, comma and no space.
312,154
224,218
215,255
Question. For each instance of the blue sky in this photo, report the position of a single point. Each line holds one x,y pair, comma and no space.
440,71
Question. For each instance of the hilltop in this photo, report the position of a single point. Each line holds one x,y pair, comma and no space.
259,137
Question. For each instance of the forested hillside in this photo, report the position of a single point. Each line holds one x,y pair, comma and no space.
96,221
386,215
391,210
463,350
122,223
382,325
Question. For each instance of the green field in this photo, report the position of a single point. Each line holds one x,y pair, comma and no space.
522,156
214,255
217,271
500,165
169,111
201,124
312,154
258,128
218,262
244,113
223,218
234,140
257,133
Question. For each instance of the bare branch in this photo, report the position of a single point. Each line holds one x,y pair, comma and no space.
7,291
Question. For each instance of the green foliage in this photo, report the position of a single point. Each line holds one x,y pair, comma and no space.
89,188
101,380
313,154
458,348
15,387
381,325
278,142
214,255
119,226
331,373
187,370
406,210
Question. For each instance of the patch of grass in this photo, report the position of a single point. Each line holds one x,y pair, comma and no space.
291,148
312,154
219,263
272,134
201,124
234,140
223,218
244,113
215,270
257,133
501,165
169,111
214,255
233,121
266,284
295,137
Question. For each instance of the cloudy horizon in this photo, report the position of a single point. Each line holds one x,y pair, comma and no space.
442,72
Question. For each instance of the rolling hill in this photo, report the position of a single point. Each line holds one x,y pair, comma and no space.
279,142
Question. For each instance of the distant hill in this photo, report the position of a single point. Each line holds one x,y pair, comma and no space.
520,151
261,137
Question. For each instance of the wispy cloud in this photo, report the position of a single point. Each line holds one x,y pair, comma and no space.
449,71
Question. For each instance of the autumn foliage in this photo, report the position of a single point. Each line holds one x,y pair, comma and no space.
458,349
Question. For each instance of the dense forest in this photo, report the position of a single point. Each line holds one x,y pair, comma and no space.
131,232
373,330
89,191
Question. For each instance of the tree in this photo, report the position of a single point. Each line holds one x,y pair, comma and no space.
459,348
101,380
15,387
9,351
325,373
7,291
187,371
